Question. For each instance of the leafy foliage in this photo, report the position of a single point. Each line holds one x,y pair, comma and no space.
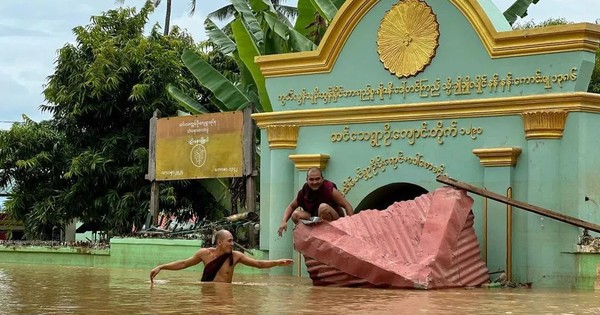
594,86
90,161
260,27
33,158
548,22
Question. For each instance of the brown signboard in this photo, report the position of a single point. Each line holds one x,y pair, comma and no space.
199,146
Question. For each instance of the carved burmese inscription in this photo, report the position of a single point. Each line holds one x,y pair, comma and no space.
428,88
385,136
375,137
379,165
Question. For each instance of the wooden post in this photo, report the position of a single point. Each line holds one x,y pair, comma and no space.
151,176
249,152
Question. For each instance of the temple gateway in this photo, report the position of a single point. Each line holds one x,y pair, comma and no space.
399,92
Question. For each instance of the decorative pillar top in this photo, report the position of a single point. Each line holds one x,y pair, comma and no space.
305,161
498,156
282,136
544,124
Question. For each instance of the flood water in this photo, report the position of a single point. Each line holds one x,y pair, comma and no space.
37,289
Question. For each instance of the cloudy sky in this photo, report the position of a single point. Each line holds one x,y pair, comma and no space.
32,31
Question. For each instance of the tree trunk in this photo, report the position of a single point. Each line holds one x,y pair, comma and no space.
167,18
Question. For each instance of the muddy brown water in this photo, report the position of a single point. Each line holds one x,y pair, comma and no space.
44,289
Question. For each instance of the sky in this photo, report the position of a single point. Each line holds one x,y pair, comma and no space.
32,31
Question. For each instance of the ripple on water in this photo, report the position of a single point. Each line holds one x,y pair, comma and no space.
59,290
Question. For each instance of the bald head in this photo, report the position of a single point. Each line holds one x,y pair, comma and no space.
314,178
224,241
314,171
222,235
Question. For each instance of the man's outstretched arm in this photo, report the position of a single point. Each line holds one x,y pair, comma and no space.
178,265
248,261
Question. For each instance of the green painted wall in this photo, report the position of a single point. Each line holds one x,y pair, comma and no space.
126,253
55,256
588,271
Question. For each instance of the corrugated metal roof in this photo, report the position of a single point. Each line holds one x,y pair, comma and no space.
428,242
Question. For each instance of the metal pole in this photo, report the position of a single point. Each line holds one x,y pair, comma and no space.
522,205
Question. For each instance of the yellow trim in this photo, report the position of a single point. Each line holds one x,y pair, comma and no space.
544,124
498,156
305,161
282,136
552,39
569,102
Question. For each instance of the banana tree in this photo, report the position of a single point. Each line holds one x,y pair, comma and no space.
314,16
258,29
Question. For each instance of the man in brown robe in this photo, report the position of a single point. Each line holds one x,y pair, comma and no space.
219,261
317,198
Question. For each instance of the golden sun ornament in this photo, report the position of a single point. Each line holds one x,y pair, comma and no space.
407,38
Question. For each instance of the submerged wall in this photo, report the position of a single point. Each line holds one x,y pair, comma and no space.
126,253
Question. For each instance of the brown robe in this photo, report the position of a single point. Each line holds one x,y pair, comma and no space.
212,268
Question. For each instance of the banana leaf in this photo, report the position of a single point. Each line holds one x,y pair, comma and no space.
338,3
261,5
229,95
243,8
188,103
219,188
518,9
295,40
247,50
326,8
306,15
218,37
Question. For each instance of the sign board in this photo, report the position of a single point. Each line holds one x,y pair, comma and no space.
199,146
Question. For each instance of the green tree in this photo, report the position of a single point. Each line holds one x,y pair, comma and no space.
33,158
104,89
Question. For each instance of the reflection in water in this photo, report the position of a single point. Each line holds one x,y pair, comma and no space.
34,289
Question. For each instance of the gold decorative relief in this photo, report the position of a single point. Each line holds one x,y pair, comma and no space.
407,38
498,156
305,161
282,136
544,124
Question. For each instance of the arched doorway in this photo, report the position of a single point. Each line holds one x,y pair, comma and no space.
384,196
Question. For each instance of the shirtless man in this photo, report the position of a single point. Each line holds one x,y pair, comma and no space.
317,198
219,261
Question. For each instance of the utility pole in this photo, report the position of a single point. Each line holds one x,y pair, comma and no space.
151,176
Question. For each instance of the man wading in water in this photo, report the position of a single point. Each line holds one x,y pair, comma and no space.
219,261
